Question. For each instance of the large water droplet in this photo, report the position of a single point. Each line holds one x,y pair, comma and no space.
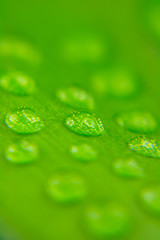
15,48
151,198
145,146
83,152
66,188
18,83
116,83
21,153
23,121
128,168
108,221
76,97
137,121
85,124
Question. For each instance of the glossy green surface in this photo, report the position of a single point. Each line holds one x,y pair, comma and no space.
120,34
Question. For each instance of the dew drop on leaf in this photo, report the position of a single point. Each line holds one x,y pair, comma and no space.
21,153
18,49
150,198
137,121
76,97
17,83
145,146
108,221
127,168
83,152
24,121
118,83
66,188
85,124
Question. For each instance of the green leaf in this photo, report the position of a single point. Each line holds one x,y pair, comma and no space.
34,41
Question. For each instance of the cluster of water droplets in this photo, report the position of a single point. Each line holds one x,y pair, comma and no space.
141,122
112,219
21,120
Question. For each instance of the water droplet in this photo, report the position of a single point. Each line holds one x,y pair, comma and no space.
85,124
128,168
151,199
18,83
145,146
21,153
116,83
108,221
66,188
76,97
15,48
83,152
23,121
84,49
137,121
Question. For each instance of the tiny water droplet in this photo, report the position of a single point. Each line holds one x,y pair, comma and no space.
83,152
128,168
19,49
66,188
21,153
137,121
85,124
151,198
145,146
23,121
108,221
17,83
117,83
76,97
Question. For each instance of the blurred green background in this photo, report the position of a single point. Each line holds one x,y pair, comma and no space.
128,39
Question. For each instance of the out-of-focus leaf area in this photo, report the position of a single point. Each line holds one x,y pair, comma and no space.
80,120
